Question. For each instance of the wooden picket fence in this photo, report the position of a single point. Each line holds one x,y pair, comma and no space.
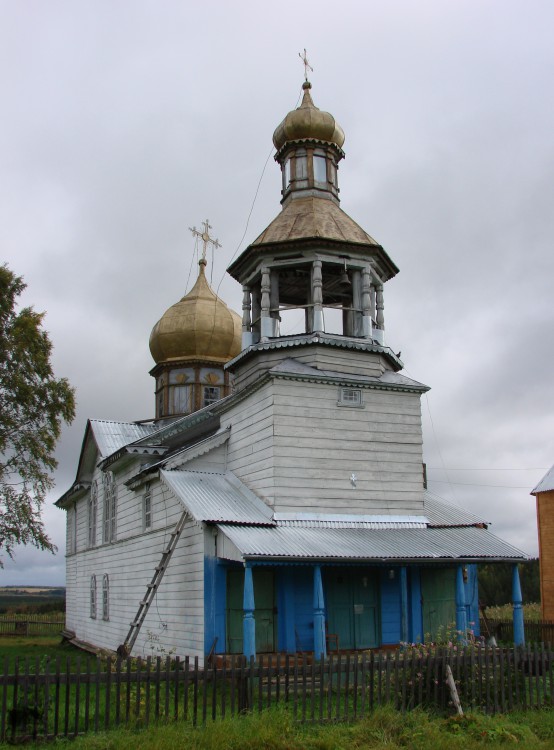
541,631
43,700
32,625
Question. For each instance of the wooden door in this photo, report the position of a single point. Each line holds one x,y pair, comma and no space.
438,595
264,613
353,607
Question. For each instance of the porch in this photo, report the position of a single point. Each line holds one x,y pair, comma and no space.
319,609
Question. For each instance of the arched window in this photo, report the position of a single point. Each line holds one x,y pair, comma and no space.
105,597
110,507
92,513
147,508
93,597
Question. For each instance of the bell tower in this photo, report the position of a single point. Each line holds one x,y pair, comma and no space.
313,258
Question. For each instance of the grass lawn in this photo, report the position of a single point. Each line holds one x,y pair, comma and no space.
33,647
385,729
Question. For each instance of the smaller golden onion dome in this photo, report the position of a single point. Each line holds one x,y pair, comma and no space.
308,122
198,327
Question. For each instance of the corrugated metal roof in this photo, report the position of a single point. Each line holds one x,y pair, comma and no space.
111,436
547,482
367,544
441,513
217,497
348,521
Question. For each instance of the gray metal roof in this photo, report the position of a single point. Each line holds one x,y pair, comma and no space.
547,482
111,436
348,521
441,513
280,542
217,497
293,368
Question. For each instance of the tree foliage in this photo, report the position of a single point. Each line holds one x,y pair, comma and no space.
33,405
495,583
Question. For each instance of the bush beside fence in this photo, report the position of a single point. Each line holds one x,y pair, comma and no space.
52,698
541,631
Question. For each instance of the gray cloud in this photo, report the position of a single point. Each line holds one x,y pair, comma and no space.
126,123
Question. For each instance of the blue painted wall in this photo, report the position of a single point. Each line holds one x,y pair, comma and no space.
391,622
472,599
416,613
304,608
215,602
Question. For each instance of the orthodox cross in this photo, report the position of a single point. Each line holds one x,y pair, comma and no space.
307,66
205,237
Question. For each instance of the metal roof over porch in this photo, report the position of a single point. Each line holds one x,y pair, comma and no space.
383,545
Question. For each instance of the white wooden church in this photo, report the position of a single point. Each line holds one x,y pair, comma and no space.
276,501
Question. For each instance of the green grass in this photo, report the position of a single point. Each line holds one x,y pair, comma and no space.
531,612
385,729
33,647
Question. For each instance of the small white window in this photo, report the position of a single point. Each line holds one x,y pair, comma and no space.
92,514
147,508
110,508
72,529
93,597
350,397
286,175
211,394
105,597
301,167
320,169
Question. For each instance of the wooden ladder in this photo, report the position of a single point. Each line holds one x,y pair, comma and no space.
152,588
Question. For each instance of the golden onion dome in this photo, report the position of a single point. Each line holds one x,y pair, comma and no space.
308,122
198,327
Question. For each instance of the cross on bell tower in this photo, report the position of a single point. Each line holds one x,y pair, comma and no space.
206,239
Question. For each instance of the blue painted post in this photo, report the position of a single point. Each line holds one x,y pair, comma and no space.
248,622
319,615
461,611
517,600
404,635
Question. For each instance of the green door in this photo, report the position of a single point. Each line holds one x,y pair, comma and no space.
352,607
264,613
438,595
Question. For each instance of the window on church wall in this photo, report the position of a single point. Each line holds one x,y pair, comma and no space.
92,513
286,174
93,597
160,405
211,395
72,529
350,397
301,167
105,597
320,169
147,508
179,399
110,508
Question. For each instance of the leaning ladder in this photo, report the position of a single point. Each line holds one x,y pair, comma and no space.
152,587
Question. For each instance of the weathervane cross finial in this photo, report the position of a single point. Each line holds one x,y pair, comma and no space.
307,66
205,237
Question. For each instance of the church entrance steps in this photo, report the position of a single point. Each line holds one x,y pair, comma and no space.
152,588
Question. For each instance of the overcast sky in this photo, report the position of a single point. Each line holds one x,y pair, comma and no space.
125,122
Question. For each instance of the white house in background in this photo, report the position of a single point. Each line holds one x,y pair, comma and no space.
278,494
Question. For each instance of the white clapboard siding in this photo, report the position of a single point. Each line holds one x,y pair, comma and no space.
334,359
250,446
174,623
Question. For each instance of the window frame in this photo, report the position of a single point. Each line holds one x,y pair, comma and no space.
92,513
207,401
93,599
147,508
345,401
105,597
109,516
